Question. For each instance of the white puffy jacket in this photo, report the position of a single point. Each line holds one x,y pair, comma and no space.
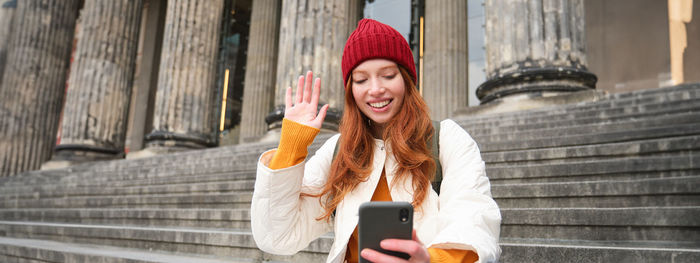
463,216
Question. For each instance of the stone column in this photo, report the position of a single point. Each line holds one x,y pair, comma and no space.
99,86
534,48
445,61
185,107
312,37
7,11
33,84
261,66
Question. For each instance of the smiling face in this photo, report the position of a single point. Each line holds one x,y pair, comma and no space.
378,89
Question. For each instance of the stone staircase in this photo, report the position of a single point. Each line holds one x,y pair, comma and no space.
612,180
184,207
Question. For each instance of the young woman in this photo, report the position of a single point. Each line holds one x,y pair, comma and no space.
383,156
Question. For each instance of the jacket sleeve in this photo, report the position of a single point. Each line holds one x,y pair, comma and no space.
468,217
283,222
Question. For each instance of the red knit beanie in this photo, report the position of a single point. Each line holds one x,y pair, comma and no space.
373,39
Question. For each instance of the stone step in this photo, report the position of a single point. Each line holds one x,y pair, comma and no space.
215,160
675,191
232,172
180,179
612,101
540,250
679,224
566,117
34,250
623,168
205,159
212,242
201,177
105,176
195,217
588,117
215,200
594,152
54,191
187,163
644,133
127,170
594,130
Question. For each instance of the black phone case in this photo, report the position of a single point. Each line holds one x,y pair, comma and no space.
382,220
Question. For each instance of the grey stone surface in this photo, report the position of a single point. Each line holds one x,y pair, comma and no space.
215,242
445,64
551,121
37,63
186,200
100,82
184,113
261,66
179,217
6,16
18,250
594,151
531,251
535,47
633,99
662,192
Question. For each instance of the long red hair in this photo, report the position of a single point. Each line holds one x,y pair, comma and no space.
407,132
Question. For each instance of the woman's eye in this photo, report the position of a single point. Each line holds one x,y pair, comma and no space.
360,81
390,76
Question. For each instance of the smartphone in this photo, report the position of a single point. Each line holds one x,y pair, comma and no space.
383,220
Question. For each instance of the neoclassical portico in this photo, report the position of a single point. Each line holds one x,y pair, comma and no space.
531,53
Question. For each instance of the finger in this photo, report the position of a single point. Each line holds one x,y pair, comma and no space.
307,86
410,247
316,93
288,99
376,256
300,90
321,115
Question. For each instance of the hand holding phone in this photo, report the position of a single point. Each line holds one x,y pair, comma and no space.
387,220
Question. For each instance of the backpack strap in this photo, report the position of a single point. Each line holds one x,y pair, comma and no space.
435,149
335,151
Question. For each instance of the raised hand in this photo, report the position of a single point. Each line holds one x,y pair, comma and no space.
303,110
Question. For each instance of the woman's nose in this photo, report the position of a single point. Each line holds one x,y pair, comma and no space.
376,87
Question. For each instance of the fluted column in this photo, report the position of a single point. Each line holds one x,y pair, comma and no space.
445,87
261,66
32,87
312,37
7,11
101,76
185,106
534,48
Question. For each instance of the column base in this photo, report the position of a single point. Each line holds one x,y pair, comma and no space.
70,154
529,101
545,80
166,139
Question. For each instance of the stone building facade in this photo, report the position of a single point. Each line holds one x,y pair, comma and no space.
148,76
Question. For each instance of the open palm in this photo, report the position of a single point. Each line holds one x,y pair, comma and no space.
303,109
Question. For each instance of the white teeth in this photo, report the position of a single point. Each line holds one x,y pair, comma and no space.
380,104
